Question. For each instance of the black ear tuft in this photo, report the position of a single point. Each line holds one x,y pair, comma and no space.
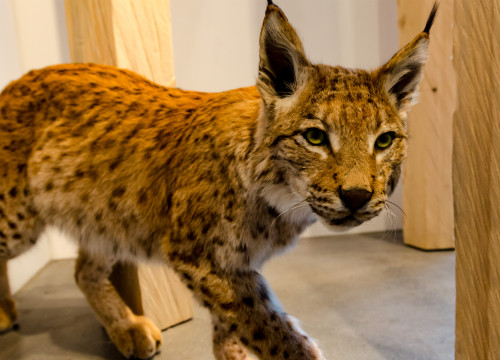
281,56
432,17
270,2
402,75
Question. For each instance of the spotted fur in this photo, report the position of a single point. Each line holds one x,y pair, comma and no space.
211,184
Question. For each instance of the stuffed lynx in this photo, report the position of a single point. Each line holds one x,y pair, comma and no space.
211,184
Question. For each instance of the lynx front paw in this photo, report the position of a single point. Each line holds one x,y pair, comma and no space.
8,314
230,349
138,338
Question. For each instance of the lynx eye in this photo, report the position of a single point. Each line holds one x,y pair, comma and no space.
315,136
384,141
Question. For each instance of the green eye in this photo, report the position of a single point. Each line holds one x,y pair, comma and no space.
384,140
315,136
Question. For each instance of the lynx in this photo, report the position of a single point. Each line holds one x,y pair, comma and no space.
211,184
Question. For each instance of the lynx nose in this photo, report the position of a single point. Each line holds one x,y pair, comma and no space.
355,198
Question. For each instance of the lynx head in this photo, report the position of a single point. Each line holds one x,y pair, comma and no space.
336,136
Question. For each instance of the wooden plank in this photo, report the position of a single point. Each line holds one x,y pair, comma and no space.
476,179
427,180
154,291
133,34
164,296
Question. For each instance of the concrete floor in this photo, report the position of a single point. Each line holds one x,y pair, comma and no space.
363,297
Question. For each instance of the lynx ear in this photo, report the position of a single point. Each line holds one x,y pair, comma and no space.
281,56
402,75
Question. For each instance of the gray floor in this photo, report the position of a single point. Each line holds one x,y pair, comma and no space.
363,297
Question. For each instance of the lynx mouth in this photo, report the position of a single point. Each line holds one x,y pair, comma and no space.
352,220
333,218
344,219
347,221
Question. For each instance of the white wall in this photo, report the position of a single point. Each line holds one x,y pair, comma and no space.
10,59
215,49
216,41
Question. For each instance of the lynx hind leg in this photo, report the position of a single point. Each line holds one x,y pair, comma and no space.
20,227
8,313
134,336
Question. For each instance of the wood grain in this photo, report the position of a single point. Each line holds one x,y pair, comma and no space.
133,34
476,179
427,179
130,34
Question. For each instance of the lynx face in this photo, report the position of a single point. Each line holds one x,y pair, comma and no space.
343,150
337,134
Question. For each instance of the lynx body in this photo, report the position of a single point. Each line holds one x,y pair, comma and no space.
210,184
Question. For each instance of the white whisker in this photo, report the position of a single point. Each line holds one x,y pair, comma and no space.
293,207
396,205
393,220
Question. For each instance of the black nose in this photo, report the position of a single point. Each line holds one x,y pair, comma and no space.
355,198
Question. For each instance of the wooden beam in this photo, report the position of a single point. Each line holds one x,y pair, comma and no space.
476,179
427,180
133,34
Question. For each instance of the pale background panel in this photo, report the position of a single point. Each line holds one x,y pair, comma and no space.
10,60
41,32
215,49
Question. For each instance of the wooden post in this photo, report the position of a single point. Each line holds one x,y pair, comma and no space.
427,180
476,179
133,34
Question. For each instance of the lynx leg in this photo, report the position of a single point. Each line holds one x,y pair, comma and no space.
244,304
226,346
19,231
133,335
8,313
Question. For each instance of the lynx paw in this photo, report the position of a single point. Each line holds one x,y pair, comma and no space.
8,314
230,349
138,338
